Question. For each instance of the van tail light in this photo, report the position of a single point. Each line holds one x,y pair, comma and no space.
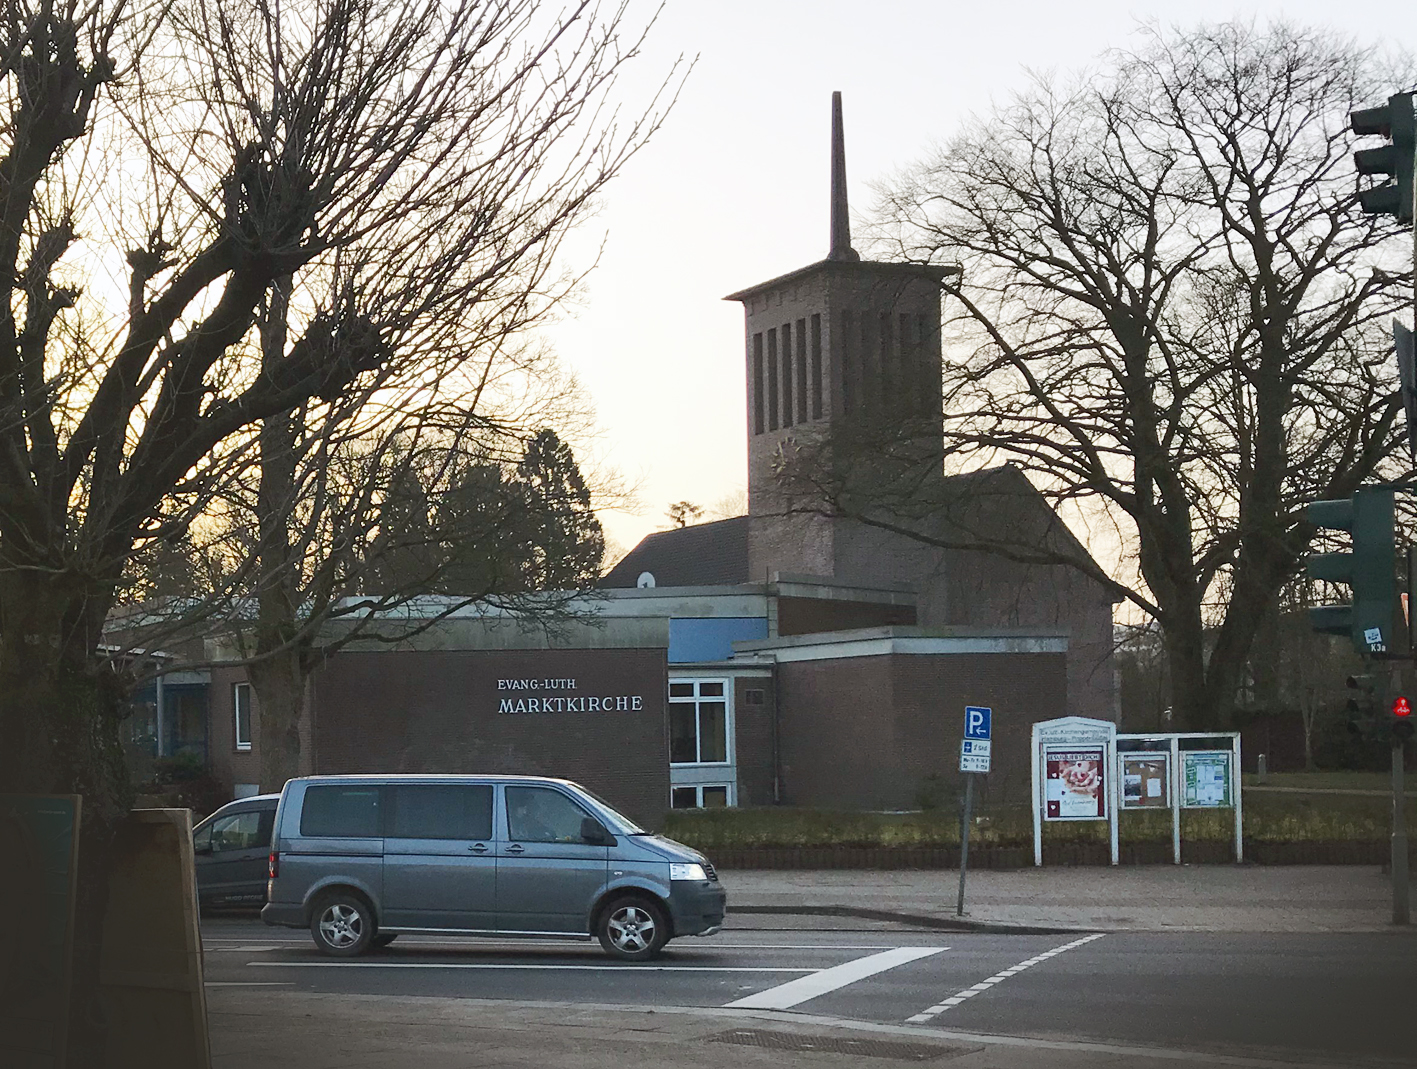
273,865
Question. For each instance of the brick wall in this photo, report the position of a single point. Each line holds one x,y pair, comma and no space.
753,726
866,733
438,711
229,765
805,616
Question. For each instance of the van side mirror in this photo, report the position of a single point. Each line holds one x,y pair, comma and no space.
595,834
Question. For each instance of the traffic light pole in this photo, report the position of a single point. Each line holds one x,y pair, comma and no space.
1401,889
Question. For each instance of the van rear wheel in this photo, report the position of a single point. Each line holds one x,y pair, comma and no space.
342,925
632,928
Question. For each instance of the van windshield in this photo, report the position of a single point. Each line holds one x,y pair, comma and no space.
627,826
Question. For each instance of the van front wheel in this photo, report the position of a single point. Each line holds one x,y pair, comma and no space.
342,925
632,929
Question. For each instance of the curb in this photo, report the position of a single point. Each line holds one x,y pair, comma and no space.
919,920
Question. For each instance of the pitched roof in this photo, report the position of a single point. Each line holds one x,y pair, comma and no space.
704,554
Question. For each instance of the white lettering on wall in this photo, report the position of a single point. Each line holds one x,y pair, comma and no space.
528,704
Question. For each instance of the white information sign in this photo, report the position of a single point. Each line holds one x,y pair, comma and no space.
974,755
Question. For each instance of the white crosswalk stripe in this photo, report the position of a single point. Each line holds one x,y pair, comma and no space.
984,985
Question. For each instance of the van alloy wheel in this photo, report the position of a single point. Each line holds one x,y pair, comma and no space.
342,925
633,929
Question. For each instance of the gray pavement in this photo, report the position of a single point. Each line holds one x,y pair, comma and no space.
253,1028
1149,898
1179,999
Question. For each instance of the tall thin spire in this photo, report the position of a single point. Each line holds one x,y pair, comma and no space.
841,223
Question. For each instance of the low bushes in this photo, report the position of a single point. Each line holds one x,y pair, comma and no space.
1268,818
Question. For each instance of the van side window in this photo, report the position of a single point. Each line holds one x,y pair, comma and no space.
540,815
435,811
340,812
237,831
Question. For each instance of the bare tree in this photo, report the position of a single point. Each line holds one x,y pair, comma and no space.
1172,317
247,154
683,513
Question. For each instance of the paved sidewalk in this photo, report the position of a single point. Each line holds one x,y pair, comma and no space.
265,1028
1213,898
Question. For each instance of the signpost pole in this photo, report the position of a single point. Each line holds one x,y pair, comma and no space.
1175,800
1114,795
974,757
1036,756
964,839
1237,795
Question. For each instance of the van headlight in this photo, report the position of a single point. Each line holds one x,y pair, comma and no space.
686,872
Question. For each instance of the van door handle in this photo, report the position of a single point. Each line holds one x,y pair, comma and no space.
478,848
516,848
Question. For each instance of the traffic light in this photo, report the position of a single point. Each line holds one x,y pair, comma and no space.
1394,121
1362,703
1401,719
1371,621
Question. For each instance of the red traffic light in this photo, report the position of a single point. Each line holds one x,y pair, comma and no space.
1401,707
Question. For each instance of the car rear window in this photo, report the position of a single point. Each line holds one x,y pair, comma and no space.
340,812
441,811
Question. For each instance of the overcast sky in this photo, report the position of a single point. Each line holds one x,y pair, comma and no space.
733,191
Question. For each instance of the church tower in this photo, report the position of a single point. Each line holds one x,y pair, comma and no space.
841,347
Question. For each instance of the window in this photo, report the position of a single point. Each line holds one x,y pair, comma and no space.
846,349
758,383
435,811
787,374
540,815
340,812
241,711
239,831
774,412
707,796
801,371
816,367
888,356
698,723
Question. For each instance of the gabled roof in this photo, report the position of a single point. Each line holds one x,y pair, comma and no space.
704,554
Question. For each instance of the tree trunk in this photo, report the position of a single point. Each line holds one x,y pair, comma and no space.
59,734
279,672
279,683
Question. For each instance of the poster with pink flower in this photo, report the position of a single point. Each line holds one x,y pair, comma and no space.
1075,783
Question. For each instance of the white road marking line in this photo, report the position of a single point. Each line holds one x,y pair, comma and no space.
248,950
999,977
248,983
790,994
477,965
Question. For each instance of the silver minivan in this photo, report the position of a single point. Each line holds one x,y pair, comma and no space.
360,860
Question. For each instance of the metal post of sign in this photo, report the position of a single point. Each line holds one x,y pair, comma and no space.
1038,803
964,839
1175,800
1114,797
1237,795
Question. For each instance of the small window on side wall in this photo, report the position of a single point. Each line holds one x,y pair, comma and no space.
241,706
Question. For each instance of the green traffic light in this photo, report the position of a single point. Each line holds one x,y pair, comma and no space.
1370,569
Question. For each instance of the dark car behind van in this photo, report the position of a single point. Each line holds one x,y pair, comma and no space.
233,848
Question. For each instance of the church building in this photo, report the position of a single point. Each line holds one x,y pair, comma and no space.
791,656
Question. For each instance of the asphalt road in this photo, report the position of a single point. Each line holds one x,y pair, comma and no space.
1340,998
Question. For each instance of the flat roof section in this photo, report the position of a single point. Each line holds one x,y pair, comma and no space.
883,641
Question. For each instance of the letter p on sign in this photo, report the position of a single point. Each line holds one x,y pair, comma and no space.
976,721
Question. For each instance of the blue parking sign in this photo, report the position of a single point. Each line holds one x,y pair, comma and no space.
976,721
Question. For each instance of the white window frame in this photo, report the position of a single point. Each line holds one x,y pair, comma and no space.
699,788
730,745
243,745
